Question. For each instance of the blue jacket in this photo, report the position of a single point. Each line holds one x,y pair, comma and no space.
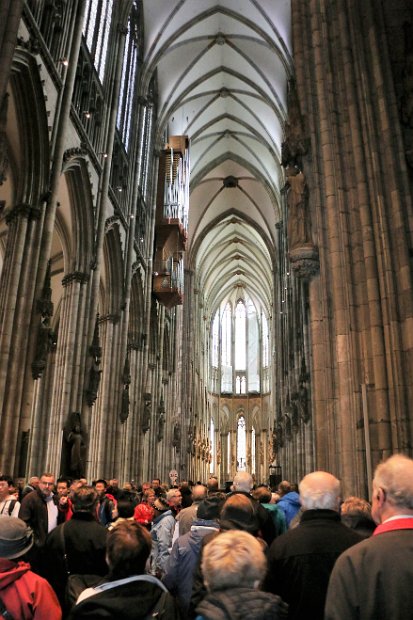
161,534
183,561
290,505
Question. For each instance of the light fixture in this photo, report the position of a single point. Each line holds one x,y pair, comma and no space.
87,114
64,62
104,155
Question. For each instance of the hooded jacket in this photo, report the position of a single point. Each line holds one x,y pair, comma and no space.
184,559
25,594
131,601
161,534
290,504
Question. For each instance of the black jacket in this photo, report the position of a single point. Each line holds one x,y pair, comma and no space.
241,603
85,546
301,561
33,511
131,601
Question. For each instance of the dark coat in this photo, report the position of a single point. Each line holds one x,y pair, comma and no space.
131,601
301,561
241,603
85,545
373,580
33,511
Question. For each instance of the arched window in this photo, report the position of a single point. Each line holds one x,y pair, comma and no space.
226,350
215,341
128,79
96,29
240,337
241,444
253,450
235,348
265,342
212,445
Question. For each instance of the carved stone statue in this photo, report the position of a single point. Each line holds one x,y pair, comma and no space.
299,226
146,416
176,439
124,411
94,381
302,403
161,425
74,439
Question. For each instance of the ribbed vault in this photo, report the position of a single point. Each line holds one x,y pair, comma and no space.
222,70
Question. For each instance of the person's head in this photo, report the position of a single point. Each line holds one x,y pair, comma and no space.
114,483
62,487
393,488
212,485
16,538
160,505
146,486
46,484
320,490
210,508
232,560
199,493
127,550
353,505
149,497
34,482
262,494
100,486
5,484
84,499
238,513
156,483
125,508
243,481
174,498
283,488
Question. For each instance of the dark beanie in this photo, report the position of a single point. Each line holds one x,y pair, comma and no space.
210,508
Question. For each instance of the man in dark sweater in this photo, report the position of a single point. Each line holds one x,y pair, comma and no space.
301,560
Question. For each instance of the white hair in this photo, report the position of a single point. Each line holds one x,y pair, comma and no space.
320,490
243,481
395,477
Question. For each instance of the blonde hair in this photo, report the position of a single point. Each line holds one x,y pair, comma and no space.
355,504
233,558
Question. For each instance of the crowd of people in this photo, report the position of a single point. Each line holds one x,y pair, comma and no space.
69,549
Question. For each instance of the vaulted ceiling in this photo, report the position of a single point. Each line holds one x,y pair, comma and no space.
222,69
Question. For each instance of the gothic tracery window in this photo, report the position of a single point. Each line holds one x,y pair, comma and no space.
236,348
96,32
241,444
128,79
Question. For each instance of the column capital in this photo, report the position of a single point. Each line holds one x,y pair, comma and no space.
75,276
25,210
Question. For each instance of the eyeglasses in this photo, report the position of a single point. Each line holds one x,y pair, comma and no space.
47,484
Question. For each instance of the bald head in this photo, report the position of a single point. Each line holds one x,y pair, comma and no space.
199,493
320,490
243,481
395,478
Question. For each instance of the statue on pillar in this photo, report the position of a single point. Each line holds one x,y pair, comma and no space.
73,436
146,416
299,226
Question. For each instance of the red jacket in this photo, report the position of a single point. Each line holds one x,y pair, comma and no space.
25,594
